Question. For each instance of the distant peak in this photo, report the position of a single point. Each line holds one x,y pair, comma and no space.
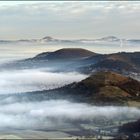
47,38
114,37
110,38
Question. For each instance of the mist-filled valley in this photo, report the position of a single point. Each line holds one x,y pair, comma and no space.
70,70
57,90
19,81
60,114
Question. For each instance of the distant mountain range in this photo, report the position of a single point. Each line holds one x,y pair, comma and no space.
81,60
48,39
88,61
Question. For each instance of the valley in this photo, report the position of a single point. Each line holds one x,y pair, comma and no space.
53,89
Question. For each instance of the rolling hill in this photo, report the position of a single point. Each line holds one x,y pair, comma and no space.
107,88
119,62
81,60
101,88
66,53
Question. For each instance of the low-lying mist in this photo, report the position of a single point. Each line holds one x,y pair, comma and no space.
53,114
17,81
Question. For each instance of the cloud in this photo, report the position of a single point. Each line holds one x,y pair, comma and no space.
71,8
34,80
57,113
70,19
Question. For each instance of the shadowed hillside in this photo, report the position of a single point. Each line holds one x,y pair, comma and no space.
118,62
80,60
129,131
67,53
131,127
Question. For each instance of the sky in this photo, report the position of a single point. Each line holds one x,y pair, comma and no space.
69,20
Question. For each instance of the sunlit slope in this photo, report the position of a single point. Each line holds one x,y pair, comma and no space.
108,87
101,88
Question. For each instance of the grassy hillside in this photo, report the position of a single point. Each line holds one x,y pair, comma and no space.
107,88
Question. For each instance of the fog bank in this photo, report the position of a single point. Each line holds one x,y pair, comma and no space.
34,80
56,113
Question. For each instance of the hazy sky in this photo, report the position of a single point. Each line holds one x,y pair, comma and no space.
69,19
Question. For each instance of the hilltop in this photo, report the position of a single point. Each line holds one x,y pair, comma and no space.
65,53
